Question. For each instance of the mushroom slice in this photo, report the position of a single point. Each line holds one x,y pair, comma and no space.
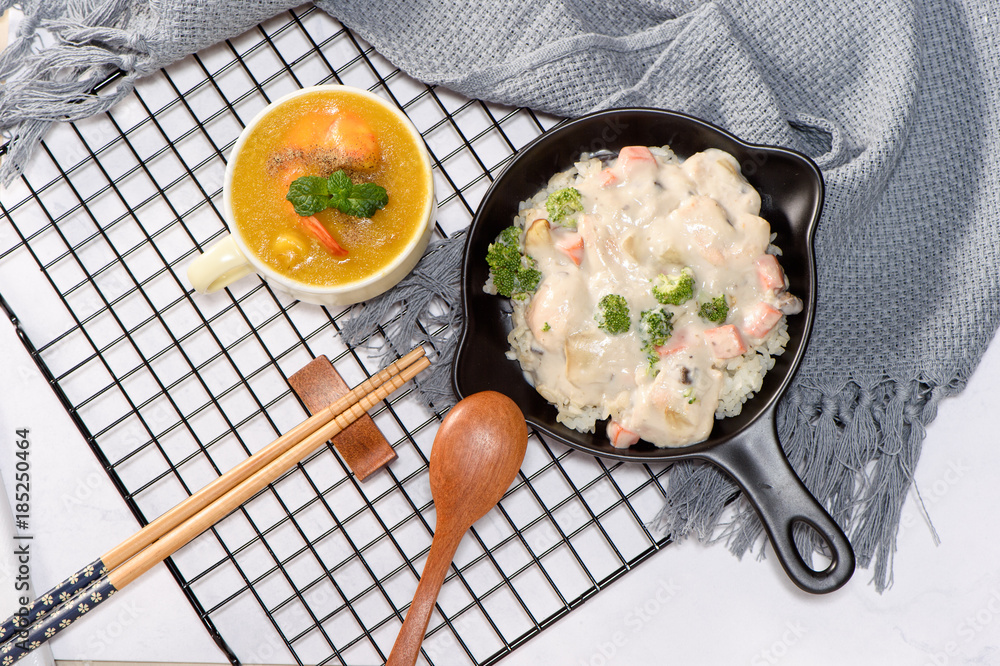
788,304
537,236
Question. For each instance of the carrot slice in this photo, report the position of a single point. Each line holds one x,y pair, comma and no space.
319,232
761,319
726,341
630,157
571,245
769,272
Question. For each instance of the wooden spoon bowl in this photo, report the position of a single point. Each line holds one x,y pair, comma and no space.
476,454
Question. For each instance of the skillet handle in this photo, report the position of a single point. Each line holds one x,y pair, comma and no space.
757,463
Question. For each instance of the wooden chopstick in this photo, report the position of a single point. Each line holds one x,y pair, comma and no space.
211,514
211,492
160,538
250,466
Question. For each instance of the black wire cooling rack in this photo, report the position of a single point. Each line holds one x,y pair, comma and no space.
170,388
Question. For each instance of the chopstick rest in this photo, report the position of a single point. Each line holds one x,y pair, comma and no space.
77,595
362,445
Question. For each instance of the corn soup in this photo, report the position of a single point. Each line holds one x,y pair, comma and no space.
318,134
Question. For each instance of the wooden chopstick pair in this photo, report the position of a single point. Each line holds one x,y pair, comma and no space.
64,604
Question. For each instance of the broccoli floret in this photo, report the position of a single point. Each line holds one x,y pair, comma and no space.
514,275
674,289
546,327
612,314
715,310
655,327
563,203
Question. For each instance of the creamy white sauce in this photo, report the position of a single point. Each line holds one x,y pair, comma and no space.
640,218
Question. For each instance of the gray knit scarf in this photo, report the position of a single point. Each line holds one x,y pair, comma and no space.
895,100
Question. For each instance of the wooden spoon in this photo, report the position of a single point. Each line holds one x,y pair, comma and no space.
476,454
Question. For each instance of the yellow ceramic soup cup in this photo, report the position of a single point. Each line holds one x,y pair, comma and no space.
381,250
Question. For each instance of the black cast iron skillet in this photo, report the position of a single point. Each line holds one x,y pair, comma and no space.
745,446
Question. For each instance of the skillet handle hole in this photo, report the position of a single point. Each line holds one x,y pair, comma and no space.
812,547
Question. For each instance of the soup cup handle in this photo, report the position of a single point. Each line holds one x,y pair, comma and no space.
219,266
758,464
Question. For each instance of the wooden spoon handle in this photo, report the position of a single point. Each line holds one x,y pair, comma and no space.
411,635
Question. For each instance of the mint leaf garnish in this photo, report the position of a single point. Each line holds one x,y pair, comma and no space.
312,194
309,195
339,181
364,199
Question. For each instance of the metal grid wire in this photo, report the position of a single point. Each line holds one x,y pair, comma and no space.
170,388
